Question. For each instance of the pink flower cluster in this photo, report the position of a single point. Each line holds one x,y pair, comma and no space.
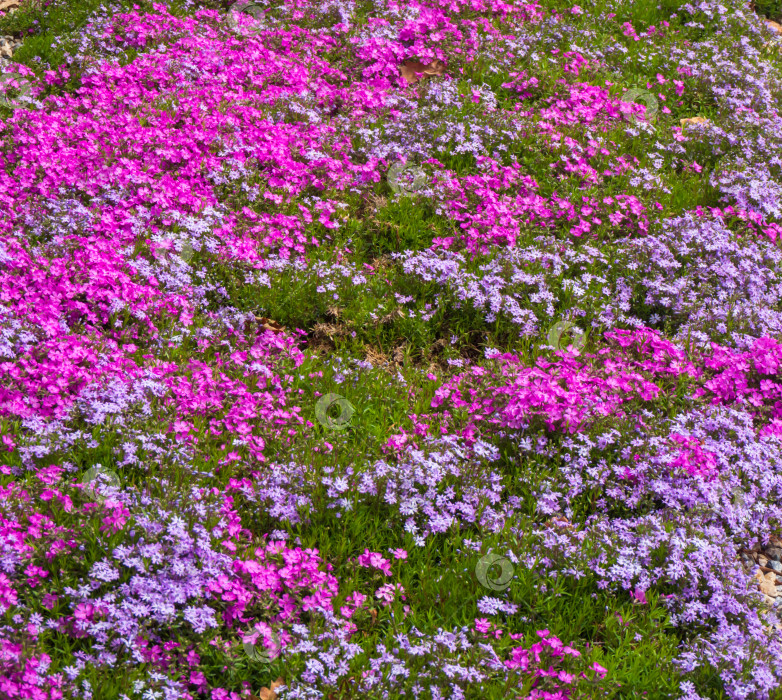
554,682
635,367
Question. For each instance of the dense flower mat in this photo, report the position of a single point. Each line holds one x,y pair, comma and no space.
321,378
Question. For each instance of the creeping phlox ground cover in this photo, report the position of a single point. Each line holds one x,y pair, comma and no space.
385,349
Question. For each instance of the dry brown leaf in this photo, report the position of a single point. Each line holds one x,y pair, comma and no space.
396,313
694,120
269,325
268,693
329,330
413,71
378,359
559,521
435,67
377,201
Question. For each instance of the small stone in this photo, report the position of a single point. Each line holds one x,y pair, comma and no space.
775,565
768,600
773,553
763,561
767,583
774,26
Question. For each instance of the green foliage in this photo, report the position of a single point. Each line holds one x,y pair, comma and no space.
769,8
636,643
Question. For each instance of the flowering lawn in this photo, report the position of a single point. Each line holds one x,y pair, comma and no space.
377,349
